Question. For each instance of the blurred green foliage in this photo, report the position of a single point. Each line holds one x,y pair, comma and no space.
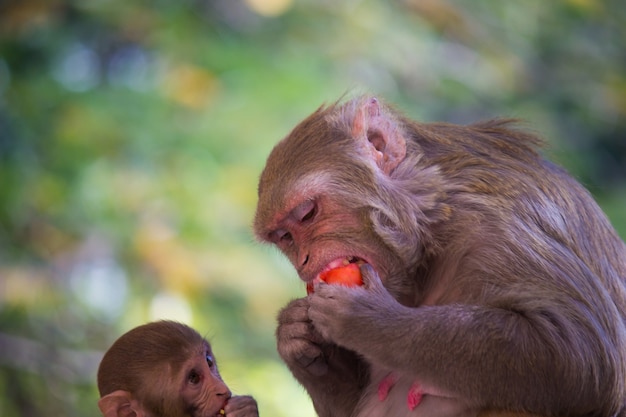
132,134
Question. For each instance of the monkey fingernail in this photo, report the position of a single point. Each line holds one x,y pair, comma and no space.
222,412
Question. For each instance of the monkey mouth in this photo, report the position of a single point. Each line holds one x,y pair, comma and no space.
339,262
221,412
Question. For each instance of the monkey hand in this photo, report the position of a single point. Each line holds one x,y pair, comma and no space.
346,315
241,406
330,373
298,342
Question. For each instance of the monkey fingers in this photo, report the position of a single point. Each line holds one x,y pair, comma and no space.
298,346
318,366
330,310
295,311
294,323
302,354
371,279
375,287
241,406
299,331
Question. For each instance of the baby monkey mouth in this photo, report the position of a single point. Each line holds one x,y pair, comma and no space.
222,412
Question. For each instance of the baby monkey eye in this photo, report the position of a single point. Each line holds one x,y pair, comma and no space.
194,378
209,360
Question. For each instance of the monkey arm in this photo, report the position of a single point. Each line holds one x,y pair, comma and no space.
533,353
332,375
506,280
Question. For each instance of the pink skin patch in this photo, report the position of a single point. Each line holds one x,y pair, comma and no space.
385,386
414,398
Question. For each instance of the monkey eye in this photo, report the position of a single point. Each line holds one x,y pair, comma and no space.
305,211
281,236
194,377
209,360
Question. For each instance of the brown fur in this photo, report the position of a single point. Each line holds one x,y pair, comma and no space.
504,283
165,369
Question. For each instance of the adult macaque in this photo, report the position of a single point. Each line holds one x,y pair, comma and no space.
165,369
493,283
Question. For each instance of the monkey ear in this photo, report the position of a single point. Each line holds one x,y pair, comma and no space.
120,404
378,134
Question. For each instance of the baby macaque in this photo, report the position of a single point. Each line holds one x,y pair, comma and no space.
166,369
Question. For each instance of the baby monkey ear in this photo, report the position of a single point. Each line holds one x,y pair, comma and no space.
120,404
377,133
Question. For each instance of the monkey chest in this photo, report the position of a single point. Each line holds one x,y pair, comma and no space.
399,395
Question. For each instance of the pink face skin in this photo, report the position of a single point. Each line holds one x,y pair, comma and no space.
203,392
307,233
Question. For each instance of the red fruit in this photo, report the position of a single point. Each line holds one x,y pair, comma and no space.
348,275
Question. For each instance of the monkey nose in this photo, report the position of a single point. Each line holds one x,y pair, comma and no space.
304,259
225,393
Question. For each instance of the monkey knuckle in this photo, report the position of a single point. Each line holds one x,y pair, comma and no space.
311,350
318,318
304,361
320,310
283,317
299,329
284,333
299,349
319,323
294,315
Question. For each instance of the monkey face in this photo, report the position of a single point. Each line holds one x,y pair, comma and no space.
317,207
164,369
203,392
320,230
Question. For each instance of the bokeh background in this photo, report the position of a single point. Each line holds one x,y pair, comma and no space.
132,134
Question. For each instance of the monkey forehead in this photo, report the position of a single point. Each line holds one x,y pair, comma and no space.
278,198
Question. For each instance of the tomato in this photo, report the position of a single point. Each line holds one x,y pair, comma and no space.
348,275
